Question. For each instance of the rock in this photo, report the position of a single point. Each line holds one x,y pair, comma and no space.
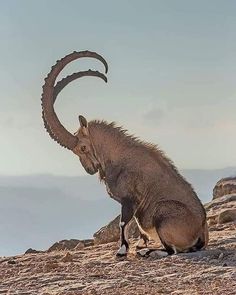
32,251
111,232
217,207
70,244
225,186
227,216
79,246
220,201
158,254
212,220
88,242
143,252
108,233
221,256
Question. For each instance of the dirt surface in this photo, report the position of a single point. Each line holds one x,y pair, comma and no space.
95,270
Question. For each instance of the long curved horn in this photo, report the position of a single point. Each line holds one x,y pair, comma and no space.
61,85
65,81
52,124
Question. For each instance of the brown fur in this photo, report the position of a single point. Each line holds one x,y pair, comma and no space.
165,204
137,174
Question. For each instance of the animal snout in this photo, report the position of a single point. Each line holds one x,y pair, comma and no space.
92,169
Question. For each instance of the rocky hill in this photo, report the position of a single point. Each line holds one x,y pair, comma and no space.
73,267
224,186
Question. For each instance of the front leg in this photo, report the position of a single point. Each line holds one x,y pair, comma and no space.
127,212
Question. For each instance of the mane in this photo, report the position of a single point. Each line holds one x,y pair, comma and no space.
130,140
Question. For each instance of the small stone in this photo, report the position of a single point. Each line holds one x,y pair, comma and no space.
221,256
158,254
143,252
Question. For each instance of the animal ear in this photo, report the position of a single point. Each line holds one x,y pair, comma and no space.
83,122
84,125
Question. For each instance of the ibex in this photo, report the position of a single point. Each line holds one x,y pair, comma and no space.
137,174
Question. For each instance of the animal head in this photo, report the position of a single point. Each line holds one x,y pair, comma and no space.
85,149
80,142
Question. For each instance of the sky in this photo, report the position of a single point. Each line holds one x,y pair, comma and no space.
171,79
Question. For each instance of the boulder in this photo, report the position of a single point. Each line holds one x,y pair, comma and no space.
224,186
111,232
227,216
226,200
32,251
70,244
221,210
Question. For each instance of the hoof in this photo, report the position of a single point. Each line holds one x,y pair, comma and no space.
122,252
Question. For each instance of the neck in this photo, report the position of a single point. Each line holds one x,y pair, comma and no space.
108,142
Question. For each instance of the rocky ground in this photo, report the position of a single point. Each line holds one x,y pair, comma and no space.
82,267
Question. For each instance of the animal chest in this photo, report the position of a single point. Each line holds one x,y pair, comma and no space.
111,192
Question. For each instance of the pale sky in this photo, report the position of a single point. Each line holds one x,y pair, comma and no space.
171,80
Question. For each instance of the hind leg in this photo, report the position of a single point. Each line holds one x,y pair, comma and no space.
144,248
143,237
178,228
178,237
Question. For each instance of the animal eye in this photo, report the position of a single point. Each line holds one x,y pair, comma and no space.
83,148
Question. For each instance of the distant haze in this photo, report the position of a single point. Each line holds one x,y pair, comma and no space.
39,210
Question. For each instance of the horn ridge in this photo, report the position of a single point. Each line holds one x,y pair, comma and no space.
51,122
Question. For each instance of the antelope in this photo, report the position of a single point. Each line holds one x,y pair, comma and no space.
137,174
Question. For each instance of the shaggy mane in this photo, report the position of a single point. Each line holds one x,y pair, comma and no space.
122,135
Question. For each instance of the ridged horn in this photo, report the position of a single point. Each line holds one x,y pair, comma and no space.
62,84
65,81
51,122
